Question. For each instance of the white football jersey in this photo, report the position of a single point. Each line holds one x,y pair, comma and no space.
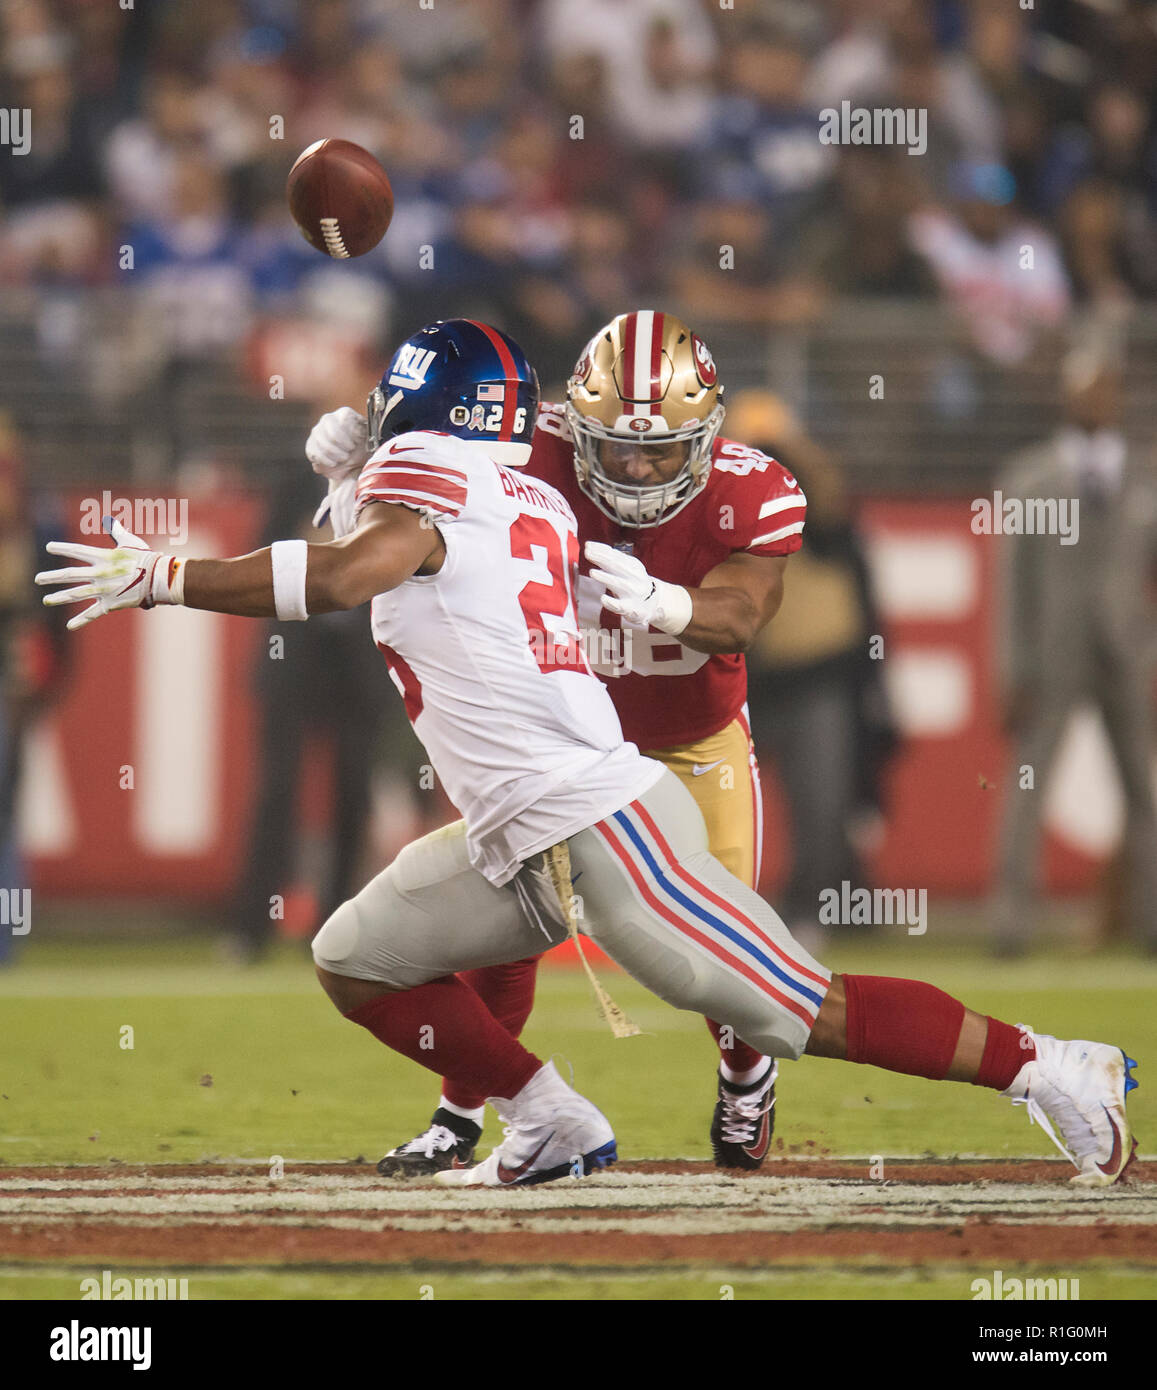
488,657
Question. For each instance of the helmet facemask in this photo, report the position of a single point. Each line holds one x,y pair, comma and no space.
642,505
375,418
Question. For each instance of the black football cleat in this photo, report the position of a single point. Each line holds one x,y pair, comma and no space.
448,1143
743,1122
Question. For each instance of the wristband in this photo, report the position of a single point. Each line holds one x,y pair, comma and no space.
166,582
290,560
675,608
176,580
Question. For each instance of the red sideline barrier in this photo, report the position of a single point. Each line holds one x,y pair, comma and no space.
140,781
164,699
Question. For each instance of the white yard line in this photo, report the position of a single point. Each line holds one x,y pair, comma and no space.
692,1223
663,1203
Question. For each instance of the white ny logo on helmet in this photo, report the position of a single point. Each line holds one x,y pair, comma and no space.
412,365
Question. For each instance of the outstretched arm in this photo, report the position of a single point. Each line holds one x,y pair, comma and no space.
291,579
390,544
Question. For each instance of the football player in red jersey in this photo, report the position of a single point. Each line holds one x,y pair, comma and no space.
684,520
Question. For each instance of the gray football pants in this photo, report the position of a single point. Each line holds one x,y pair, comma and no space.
648,893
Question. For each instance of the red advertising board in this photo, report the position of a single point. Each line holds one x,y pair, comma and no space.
140,782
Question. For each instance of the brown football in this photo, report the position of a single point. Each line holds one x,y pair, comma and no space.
340,197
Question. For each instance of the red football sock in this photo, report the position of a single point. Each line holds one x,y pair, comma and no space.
902,1025
508,992
1006,1050
740,1056
444,1026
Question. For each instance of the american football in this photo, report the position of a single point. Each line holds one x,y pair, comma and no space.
340,197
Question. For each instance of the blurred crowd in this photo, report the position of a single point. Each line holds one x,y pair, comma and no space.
564,159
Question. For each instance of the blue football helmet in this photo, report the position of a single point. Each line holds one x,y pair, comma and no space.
463,378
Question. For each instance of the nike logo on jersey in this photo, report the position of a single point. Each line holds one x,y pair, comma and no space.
700,768
509,1175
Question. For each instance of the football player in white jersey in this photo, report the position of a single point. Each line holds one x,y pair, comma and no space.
471,569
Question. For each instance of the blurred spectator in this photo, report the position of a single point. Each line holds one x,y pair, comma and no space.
987,72
61,164
1078,42
1078,626
187,266
428,48
735,269
1107,220
193,298
816,699
474,96
855,59
1002,275
1004,281
601,263
665,109
142,152
1028,134
863,248
766,145
598,165
889,55
655,55
49,192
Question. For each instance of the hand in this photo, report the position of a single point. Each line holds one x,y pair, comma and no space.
337,444
634,595
340,506
129,576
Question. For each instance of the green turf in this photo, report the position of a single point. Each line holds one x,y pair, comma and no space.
313,1282
291,1077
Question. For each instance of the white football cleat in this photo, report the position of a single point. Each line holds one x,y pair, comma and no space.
551,1132
1082,1088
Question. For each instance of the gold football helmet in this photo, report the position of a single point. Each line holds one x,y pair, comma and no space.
644,405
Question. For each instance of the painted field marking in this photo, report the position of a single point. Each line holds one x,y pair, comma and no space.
640,1203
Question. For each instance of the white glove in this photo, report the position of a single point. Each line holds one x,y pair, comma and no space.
634,595
337,444
129,576
340,506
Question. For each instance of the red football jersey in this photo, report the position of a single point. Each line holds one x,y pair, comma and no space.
665,693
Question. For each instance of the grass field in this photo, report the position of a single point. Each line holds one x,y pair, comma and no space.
229,1064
